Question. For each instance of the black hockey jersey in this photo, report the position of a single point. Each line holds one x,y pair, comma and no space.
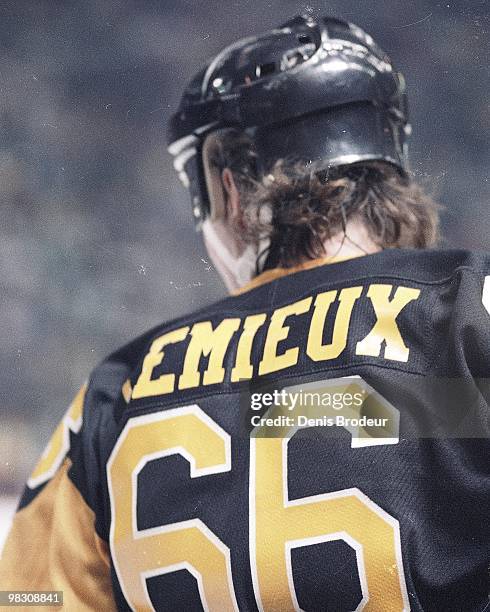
317,442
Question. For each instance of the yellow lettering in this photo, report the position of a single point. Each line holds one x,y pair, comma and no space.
315,349
385,328
145,386
207,341
271,361
188,544
278,524
243,369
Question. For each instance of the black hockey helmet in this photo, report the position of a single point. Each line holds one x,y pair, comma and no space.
314,90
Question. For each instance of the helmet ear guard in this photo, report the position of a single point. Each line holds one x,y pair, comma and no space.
189,167
194,162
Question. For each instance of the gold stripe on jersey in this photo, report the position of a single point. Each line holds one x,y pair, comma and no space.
53,545
206,341
59,444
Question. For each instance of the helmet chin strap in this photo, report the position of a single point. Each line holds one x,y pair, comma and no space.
236,271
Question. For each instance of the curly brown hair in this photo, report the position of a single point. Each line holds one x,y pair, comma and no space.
298,208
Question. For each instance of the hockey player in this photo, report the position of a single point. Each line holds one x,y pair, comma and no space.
186,475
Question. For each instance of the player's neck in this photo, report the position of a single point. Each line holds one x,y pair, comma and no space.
355,242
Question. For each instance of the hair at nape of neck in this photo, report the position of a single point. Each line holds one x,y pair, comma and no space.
297,209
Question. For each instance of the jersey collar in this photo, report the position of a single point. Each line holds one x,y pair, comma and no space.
270,275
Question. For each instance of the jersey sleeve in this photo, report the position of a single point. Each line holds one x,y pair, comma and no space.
53,543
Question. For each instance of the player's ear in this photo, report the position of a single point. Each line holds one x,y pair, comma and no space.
232,195
224,197
212,174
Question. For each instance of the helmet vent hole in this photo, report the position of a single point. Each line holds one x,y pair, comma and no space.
304,39
265,69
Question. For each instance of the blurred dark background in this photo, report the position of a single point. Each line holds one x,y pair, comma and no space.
97,242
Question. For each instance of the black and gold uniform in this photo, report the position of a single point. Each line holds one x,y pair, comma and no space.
156,493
